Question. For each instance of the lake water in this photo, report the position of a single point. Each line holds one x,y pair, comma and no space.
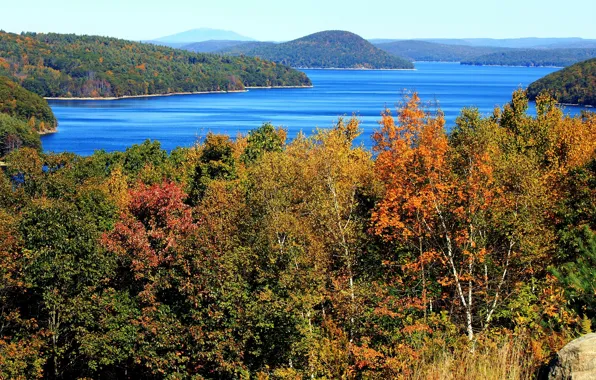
86,126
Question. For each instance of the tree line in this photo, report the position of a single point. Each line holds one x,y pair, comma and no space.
533,57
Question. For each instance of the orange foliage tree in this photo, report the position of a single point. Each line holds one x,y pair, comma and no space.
474,205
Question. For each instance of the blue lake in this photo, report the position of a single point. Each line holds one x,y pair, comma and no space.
86,126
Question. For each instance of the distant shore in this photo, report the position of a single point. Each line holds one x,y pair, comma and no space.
353,68
577,105
529,67
144,96
275,87
173,93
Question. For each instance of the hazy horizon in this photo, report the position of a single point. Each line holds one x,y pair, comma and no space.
153,38
271,20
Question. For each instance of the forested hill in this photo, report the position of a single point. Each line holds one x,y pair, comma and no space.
26,106
67,65
575,84
430,51
331,49
244,48
534,57
212,46
225,47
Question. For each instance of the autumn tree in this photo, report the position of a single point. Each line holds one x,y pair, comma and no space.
473,205
180,285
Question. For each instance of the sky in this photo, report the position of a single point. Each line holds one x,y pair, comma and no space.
279,20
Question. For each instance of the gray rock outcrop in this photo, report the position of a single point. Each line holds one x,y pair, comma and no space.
575,361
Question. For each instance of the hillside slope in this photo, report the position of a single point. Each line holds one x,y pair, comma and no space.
417,50
15,134
212,45
534,57
331,49
58,65
244,48
575,84
31,108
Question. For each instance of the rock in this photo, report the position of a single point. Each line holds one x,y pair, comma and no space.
575,361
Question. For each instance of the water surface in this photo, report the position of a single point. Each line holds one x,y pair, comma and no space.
86,126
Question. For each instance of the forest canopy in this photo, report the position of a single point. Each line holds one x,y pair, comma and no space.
23,116
26,106
67,65
460,254
15,133
575,84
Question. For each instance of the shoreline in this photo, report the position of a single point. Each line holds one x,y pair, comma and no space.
529,67
174,94
145,96
577,105
275,87
48,132
352,69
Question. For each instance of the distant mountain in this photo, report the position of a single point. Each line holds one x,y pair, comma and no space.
244,48
518,43
330,49
584,44
512,43
534,57
448,41
67,65
376,41
575,84
202,34
417,50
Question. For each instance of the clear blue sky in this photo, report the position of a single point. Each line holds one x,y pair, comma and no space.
285,20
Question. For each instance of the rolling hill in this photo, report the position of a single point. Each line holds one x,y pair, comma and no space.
534,57
212,46
67,65
575,84
330,49
225,47
417,50
244,48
